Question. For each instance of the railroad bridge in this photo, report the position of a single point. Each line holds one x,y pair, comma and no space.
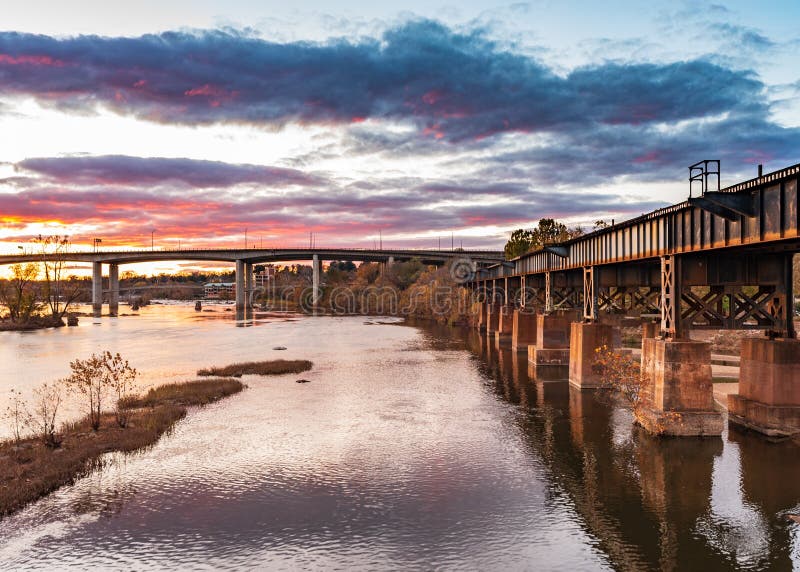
722,259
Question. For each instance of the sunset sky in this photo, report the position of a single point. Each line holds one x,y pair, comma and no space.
196,120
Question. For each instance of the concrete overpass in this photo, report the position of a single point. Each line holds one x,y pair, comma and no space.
245,259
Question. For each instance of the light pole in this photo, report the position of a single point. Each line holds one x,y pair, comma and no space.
245,239
97,241
152,239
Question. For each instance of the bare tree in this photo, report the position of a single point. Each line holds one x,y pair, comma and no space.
121,377
20,295
46,401
88,379
93,377
17,415
59,293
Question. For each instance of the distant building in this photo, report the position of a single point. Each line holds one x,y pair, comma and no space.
263,276
219,290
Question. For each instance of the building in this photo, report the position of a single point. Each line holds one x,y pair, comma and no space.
219,290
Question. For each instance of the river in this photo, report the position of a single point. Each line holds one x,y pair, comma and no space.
413,447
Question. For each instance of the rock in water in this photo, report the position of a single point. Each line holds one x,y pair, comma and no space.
303,381
72,320
794,517
279,348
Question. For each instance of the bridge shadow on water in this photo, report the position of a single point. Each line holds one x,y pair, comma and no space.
646,503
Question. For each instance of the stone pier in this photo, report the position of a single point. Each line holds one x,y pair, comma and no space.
585,338
523,330
769,387
549,357
492,318
680,399
316,292
240,289
505,322
483,316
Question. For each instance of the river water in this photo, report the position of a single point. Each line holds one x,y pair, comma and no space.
413,447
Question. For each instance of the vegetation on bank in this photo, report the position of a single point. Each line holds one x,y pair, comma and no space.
272,367
44,454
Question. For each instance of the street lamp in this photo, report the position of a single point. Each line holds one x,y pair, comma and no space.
97,241
152,243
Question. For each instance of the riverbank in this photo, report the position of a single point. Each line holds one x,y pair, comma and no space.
32,324
31,470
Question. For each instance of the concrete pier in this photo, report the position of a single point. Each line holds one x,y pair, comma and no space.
549,357
769,387
97,289
315,289
240,288
679,390
505,323
492,318
523,330
248,285
113,289
585,338
483,316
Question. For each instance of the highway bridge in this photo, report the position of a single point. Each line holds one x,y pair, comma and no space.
245,259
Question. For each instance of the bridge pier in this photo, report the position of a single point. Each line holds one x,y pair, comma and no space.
248,285
679,398
769,387
505,324
549,357
240,289
492,317
585,338
523,330
483,316
315,290
113,289
97,289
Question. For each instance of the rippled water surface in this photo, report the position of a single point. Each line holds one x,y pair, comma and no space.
412,447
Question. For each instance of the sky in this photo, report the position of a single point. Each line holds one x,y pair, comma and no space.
205,124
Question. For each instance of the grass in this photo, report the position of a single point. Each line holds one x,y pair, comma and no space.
272,367
32,470
199,392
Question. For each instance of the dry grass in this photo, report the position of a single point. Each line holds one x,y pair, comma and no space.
272,367
198,392
33,470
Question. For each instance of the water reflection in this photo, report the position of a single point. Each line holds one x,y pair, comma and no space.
654,503
413,447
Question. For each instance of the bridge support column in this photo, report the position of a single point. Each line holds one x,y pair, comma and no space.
483,315
241,294
505,324
679,398
523,330
315,294
548,359
585,338
492,317
97,289
248,285
113,289
769,387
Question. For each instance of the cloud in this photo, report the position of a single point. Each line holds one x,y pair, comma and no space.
450,85
124,170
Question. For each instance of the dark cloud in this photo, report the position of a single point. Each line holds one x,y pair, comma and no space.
124,170
452,85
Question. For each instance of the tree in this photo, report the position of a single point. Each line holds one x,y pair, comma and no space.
58,293
600,224
46,401
120,377
17,415
521,241
94,376
20,295
548,231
